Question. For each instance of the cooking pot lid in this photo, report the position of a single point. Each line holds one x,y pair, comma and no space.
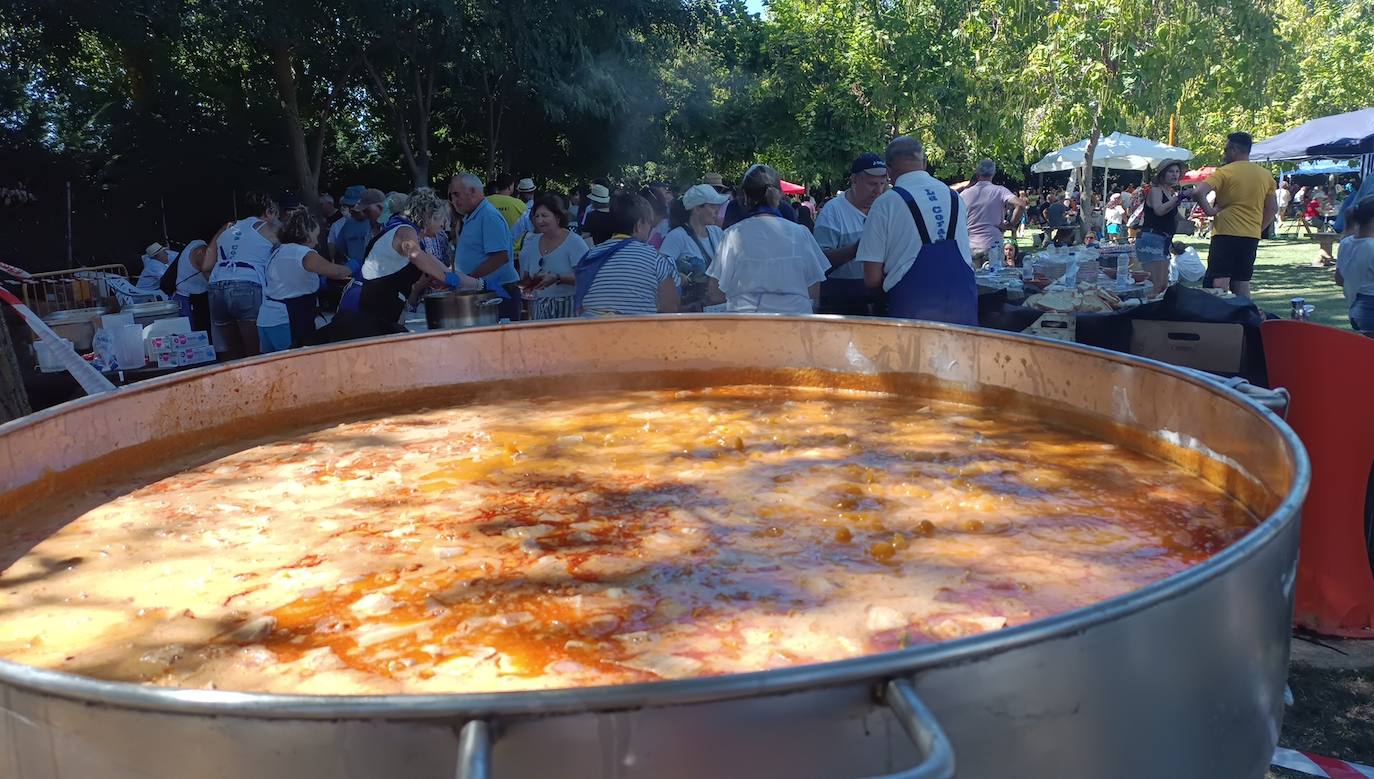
152,307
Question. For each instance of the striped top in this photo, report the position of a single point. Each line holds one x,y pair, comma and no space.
628,283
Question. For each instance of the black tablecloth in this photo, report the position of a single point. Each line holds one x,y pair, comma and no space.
1113,331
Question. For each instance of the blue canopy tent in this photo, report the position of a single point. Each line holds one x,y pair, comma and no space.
1322,168
1343,135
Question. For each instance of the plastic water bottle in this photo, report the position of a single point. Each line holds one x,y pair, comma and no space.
1123,270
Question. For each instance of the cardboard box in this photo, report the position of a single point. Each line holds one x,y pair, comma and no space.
1060,327
183,356
159,343
1215,348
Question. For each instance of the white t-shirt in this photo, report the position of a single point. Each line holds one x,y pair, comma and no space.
767,265
152,272
334,229
890,235
1116,215
679,243
560,262
243,253
1355,261
286,278
190,281
1187,266
840,224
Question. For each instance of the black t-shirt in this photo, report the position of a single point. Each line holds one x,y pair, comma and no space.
1055,215
600,226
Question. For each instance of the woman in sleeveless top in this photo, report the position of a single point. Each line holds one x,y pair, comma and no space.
236,260
1159,220
286,319
397,264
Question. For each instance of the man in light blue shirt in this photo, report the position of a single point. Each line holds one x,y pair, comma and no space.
484,245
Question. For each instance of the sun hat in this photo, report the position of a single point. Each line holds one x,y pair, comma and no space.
599,194
702,194
1165,165
352,195
153,249
713,179
525,185
869,163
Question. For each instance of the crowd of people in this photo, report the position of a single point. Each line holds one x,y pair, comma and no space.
895,241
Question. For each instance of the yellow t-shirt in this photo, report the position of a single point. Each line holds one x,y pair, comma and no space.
1241,188
511,208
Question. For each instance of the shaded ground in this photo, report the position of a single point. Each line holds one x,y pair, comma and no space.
1333,702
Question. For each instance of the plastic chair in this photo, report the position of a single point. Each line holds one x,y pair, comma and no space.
1330,374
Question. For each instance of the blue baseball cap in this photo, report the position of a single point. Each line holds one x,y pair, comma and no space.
870,163
352,195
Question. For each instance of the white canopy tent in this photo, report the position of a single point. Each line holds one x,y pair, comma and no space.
1116,151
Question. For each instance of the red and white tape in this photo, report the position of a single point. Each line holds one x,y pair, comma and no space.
1318,765
88,377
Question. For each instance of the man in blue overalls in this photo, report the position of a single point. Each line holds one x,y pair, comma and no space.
915,243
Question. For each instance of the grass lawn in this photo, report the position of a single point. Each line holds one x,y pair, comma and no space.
1283,271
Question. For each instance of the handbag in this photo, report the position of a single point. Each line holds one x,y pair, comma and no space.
1183,225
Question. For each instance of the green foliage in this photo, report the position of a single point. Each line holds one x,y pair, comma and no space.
141,102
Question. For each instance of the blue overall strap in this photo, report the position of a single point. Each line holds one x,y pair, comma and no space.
939,286
920,219
587,269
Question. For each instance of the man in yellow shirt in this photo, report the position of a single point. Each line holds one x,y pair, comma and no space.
512,208
1245,207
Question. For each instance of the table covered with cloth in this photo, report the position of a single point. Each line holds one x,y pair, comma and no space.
1113,330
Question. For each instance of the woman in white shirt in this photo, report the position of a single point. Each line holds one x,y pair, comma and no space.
549,261
694,241
1355,264
766,264
287,315
1115,217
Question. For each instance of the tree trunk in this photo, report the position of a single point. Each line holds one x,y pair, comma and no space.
305,176
1088,171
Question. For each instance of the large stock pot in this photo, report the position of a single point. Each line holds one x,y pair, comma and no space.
1183,678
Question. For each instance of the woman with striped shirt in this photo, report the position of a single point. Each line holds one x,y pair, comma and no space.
625,276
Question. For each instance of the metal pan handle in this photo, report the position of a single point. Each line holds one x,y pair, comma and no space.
474,751
474,740
937,754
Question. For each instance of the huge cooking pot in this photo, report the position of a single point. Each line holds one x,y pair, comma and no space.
1183,678
452,310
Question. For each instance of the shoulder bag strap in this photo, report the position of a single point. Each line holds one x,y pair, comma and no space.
706,253
916,215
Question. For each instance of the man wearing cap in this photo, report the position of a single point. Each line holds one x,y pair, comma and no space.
501,196
839,227
915,243
524,191
155,263
347,203
359,229
484,245
987,214
596,221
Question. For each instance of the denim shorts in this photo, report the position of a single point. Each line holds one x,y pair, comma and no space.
234,301
1362,313
1151,247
